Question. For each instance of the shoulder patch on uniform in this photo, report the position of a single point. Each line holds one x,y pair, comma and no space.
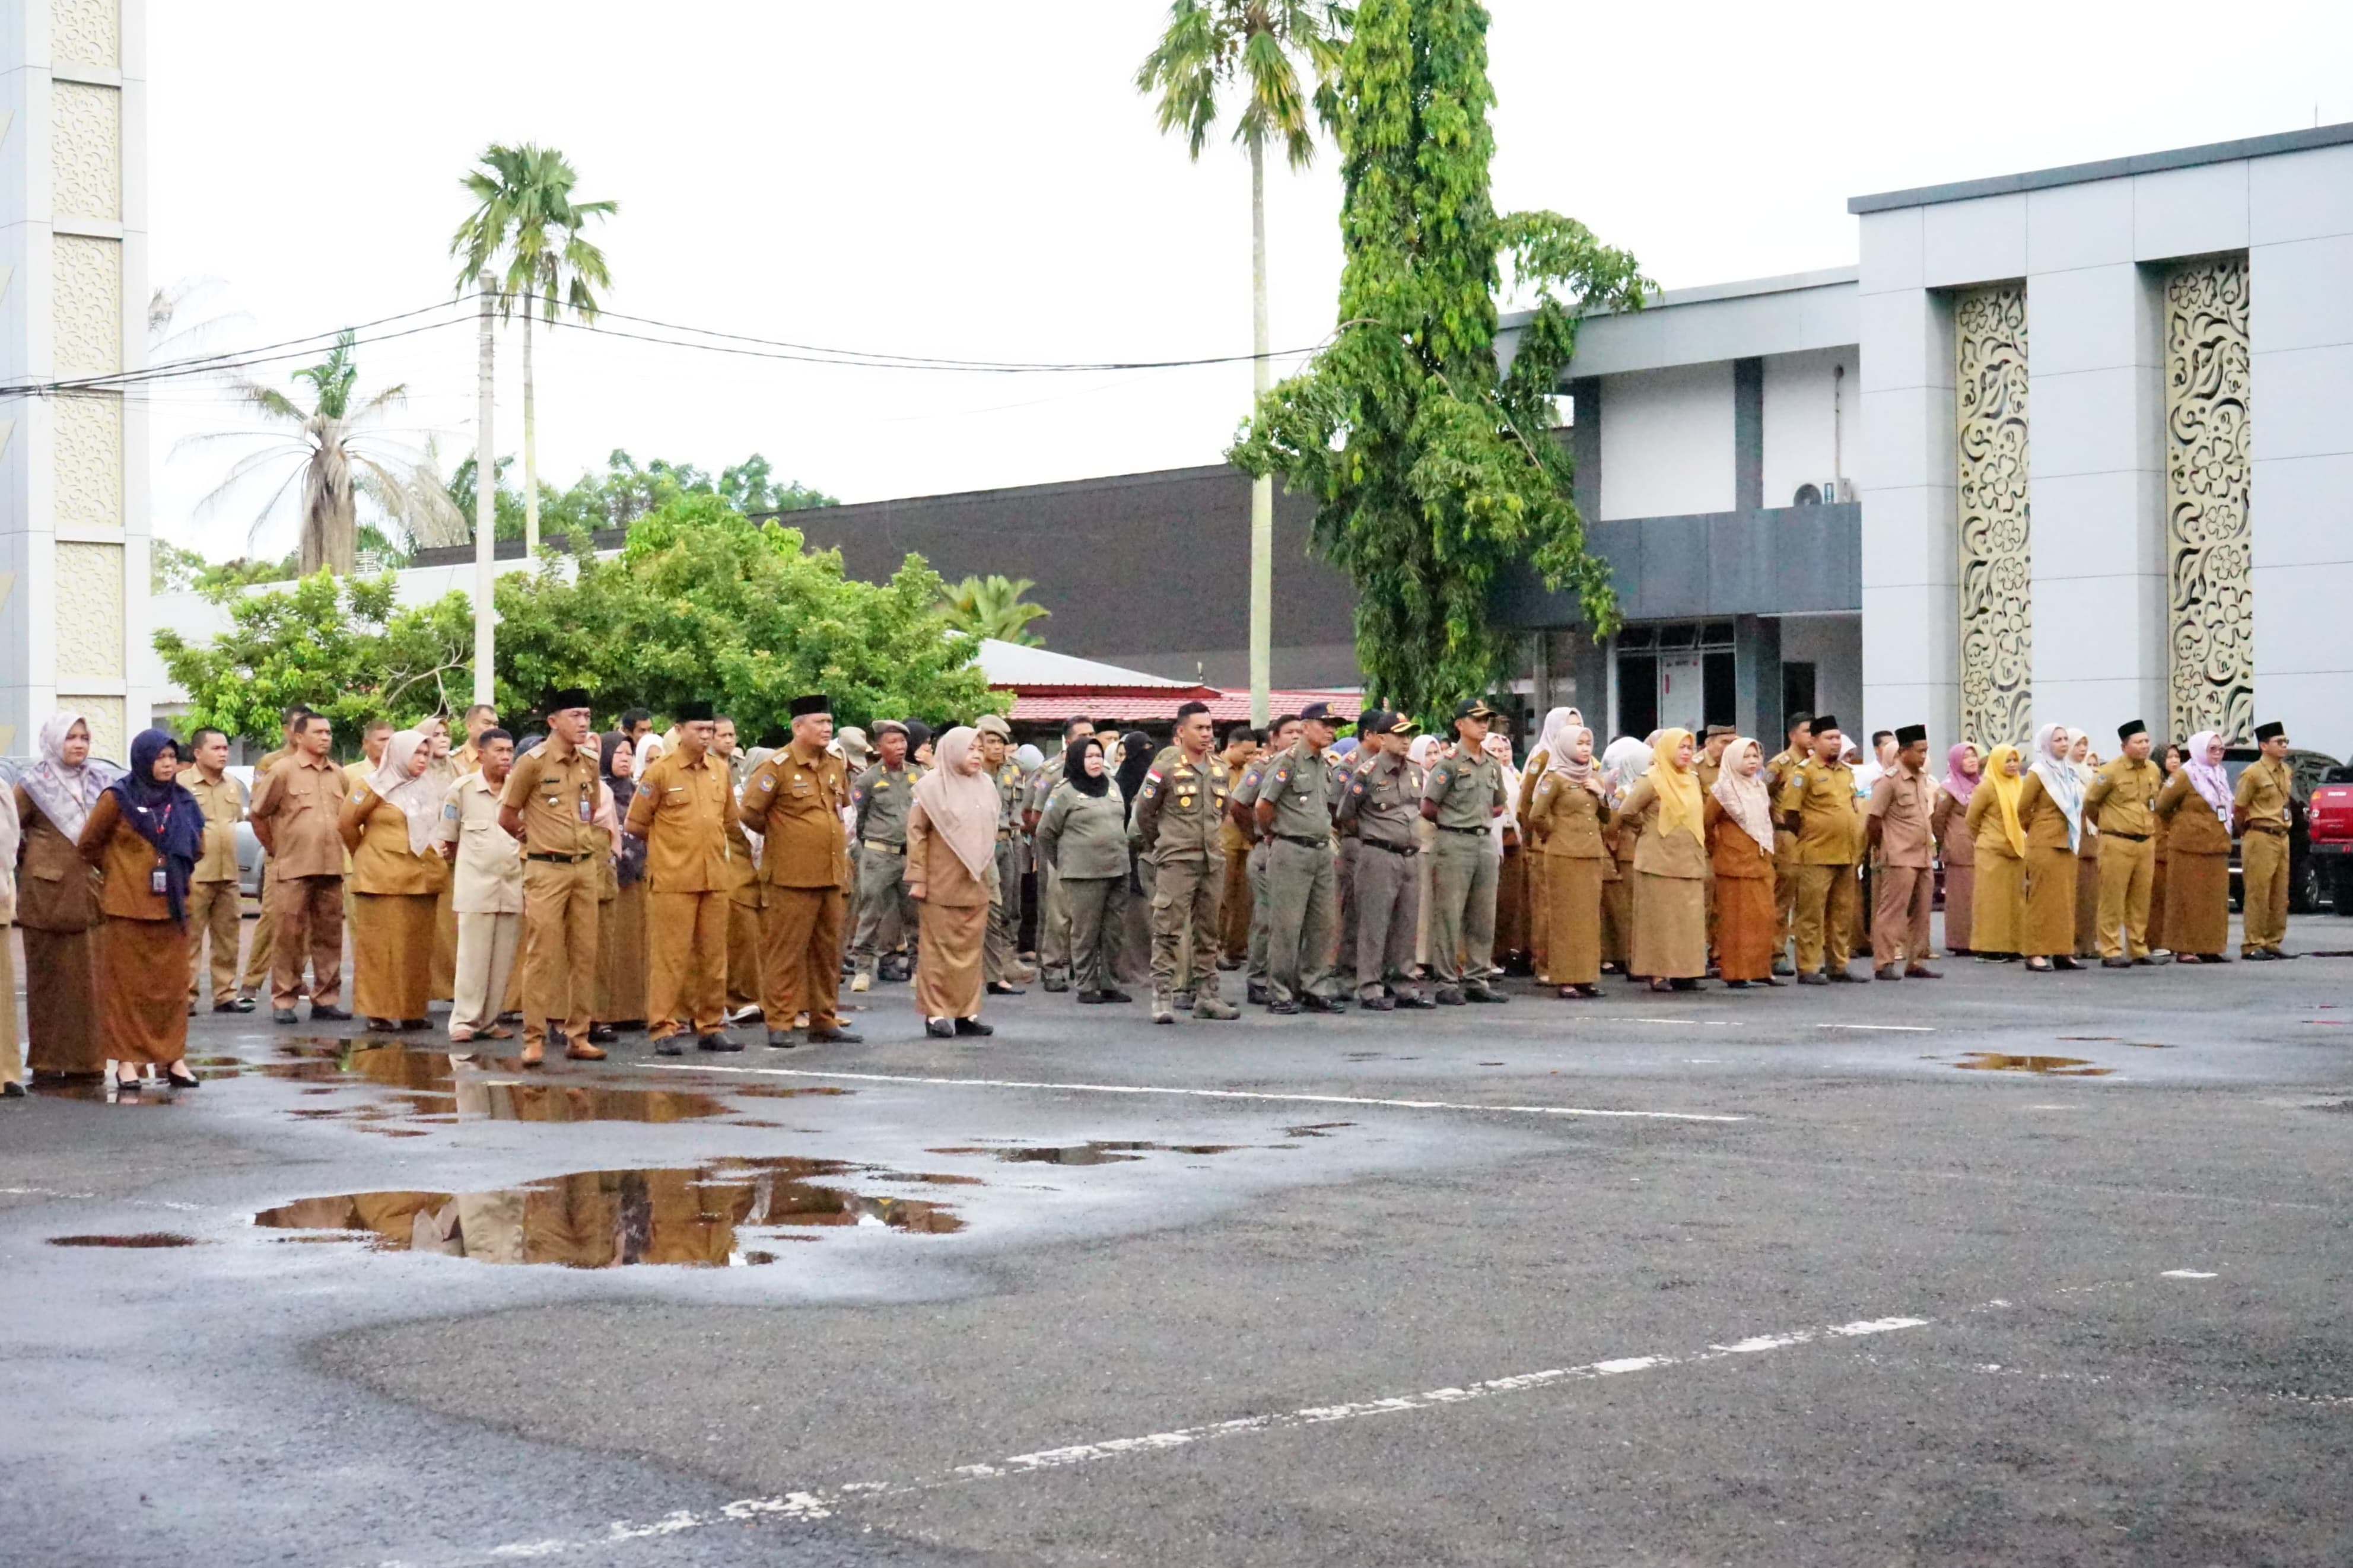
358,795
1150,789
1282,775
1153,775
766,784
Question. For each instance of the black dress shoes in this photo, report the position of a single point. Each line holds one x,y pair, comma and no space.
716,1042
942,1028
835,1037
328,1015
999,988
974,1026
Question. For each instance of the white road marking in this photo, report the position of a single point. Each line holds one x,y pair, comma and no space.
1204,1093
1884,1028
2185,1274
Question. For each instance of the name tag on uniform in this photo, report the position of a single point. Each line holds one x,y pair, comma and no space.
585,811
155,882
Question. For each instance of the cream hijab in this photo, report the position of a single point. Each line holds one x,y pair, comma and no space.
961,805
419,798
1560,728
66,794
2061,779
1743,796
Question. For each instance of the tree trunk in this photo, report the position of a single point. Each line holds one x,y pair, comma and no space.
530,449
486,481
1261,625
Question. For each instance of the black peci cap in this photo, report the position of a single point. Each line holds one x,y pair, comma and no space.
570,697
695,712
2126,731
1911,734
1823,722
2271,731
802,707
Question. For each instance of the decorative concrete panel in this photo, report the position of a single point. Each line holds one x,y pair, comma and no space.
108,740
88,459
1996,560
2211,677
89,612
86,150
87,309
86,32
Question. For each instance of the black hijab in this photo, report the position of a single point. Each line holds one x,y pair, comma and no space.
632,868
1135,751
1074,769
165,814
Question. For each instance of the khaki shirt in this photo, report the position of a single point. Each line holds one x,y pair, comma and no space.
223,800
795,801
1010,787
1829,831
2123,797
1383,800
881,797
556,798
2261,797
488,867
1181,807
1244,797
1903,803
297,813
1468,791
684,811
1299,787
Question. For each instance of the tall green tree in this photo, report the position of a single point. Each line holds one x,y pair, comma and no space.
1255,47
1433,468
993,606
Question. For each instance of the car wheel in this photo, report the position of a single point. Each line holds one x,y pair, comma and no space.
2304,888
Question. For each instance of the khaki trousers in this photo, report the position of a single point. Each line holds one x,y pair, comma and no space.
1826,901
215,909
12,1055
256,973
1462,907
740,976
2263,880
483,965
800,956
559,942
1344,880
1255,871
1234,908
2128,872
1000,955
1301,884
1899,921
1785,889
687,938
886,915
1054,926
1185,898
1388,899
1097,906
307,914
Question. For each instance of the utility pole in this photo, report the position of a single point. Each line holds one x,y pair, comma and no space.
486,485
1262,628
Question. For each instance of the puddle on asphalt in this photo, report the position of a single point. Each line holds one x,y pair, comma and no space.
144,1238
2045,1066
2092,1038
1098,1152
2149,1045
1315,1129
698,1215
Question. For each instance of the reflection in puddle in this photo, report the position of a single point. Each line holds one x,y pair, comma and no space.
1099,1152
428,1087
142,1239
2046,1067
604,1219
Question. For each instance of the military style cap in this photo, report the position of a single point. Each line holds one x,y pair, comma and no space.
1825,721
1473,708
1911,734
802,707
695,712
570,697
1715,730
888,727
2271,731
2126,731
853,743
992,724
1319,711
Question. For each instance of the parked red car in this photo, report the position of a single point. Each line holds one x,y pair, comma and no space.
2328,818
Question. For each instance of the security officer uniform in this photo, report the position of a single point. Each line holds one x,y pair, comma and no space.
1053,915
795,799
879,798
554,789
1242,811
1000,960
1344,863
1382,805
255,975
683,810
2122,799
1829,835
1176,822
1463,797
1302,880
2259,808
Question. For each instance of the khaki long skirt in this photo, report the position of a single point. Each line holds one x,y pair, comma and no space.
1570,919
1961,906
392,954
1746,924
143,991
2198,903
2088,904
621,957
1511,906
947,974
1540,915
1617,918
1997,908
61,1002
2050,880
2155,935
1670,927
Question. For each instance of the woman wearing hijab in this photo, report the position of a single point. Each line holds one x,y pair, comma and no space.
1083,837
2195,806
2087,763
1997,929
1511,945
1950,821
1621,765
1564,819
1669,867
621,915
950,866
1556,739
2169,759
1130,917
388,825
2050,809
57,900
144,837
1740,848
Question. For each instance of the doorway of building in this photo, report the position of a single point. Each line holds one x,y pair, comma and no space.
1676,676
1797,692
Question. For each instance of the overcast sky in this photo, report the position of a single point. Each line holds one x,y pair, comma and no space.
982,180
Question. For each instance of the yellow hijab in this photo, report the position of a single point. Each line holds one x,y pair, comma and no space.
1996,773
1679,810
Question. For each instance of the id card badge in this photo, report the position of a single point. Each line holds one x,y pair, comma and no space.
155,882
584,811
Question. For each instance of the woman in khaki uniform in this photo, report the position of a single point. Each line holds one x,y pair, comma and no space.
621,912
2087,853
1740,836
145,836
1669,867
1621,765
1955,845
388,825
2050,809
950,866
1998,848
1558,739
2169,761
1565,816
57,901
2195,806
1083,837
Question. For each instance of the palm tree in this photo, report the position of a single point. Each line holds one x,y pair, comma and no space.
1257,46
341,452
992,606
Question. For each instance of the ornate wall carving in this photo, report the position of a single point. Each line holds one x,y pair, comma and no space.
2208,546
86,150
1996,562
88,458
86,312
86,32
89,612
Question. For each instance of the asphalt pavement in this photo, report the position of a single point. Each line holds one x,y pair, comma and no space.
2000,1268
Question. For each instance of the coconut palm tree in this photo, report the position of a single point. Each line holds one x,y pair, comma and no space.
1257,46
993,606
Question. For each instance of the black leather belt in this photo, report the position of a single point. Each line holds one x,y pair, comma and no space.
1392,848
1443,828
2266,828
1304,841
2131,837
561,859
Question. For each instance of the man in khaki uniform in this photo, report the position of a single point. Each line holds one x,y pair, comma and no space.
685,808
1000,962
1710,765
1816,804
256,973
215,904
795,800
479,719
485,889
1898,831
1383,801
296,807
1054,915
1241,810
879,799
2122,802
1234,904
2258,810
1785,843
1463,796
1176,822
1295,812
549,805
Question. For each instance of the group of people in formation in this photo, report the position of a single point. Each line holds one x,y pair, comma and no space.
585,883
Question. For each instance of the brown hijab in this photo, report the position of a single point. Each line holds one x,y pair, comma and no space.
962,806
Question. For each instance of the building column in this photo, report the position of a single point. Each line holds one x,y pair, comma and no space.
1757,676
